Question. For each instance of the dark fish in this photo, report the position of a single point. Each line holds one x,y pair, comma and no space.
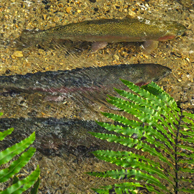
67,82
59,137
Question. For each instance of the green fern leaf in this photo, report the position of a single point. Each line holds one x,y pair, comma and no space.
129,161
138,130
187,114
126,174
9,153
110,154
120,129
121,119
188,161
24,184
163,131
16,165
5,156
187,133
34,190
189,140
119,188
186,147
186,120
186,170
187,190
130,142
5,133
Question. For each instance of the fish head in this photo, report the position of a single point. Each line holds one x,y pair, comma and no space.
173,29
176,29
180,29
155,72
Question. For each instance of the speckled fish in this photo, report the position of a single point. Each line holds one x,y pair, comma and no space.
63,83
104,31
60,137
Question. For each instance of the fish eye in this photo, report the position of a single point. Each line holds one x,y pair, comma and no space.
179,33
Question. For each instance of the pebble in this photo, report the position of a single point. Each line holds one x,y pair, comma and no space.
68,9
116,57
17,54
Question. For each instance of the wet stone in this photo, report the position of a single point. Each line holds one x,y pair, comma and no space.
17,54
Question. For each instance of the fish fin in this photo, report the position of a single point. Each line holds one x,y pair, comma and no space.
167,37
98,45
149,46
77,54
94,99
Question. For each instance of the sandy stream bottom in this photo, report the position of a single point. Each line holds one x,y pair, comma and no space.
64,176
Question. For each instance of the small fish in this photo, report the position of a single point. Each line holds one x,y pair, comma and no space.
104,31
64,83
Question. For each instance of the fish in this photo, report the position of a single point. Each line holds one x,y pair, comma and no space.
104,31
58,137
65,83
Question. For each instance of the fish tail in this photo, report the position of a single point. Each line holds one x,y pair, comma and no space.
32,38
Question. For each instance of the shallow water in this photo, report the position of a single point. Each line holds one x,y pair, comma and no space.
177,54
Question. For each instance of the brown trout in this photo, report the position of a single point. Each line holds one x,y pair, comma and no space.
66,83
104,31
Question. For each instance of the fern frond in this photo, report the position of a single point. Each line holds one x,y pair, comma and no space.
16,165
189,140
188,161
163,132
119,188
122,130
5,156
5,133
24,184
126,174
9,153
102,154
186,147
185,155
121,119
34,189
151,134
186,180
149,107
154,95
186,170
186,120
187,190
130,161
130,142
187,133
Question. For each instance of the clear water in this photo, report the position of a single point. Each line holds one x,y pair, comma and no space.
16,15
